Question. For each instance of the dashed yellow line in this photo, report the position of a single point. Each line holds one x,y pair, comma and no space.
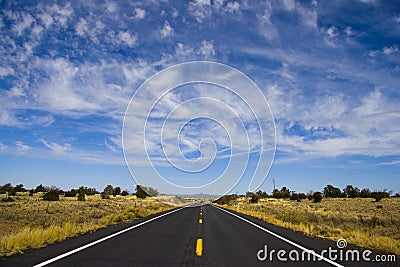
199,247
200,221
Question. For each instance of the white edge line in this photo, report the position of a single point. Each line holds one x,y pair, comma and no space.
101,240
282,238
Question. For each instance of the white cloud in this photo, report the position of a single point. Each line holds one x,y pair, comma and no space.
111,6
5,71
332,32
82,27
390,50
183,50
24,22
330,35
59,92
60,14
207,48
396,18
140,13
16,92
348,31
232,7
21,146
57,148
200,9
175,13
289,4
167,30
3,146
46,19
127,38
265,17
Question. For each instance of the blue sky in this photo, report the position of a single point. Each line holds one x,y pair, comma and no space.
330,71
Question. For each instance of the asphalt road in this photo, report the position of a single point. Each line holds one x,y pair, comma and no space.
191,236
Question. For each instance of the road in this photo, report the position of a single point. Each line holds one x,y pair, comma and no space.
190,236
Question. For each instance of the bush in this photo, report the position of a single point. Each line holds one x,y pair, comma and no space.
226,199
81,195
117,191
104,196
124,193
8,199
317,197
52,195
254,199
379,195
71,193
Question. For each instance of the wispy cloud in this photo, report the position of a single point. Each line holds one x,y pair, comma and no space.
57,148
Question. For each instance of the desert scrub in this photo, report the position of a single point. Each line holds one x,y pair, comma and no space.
29,222
361,221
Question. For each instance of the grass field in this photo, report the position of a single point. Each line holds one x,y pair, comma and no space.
361,221
30,222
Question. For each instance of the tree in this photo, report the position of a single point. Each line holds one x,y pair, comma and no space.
351,192
88,191
41,188
276,193
331,191
108,191
124,193
71,193
378,195
365,193
140,193
262,194
6,188
52,195
19,188
81,195
117,191
317,197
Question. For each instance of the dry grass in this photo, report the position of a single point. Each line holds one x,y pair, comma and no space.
362,222
30,222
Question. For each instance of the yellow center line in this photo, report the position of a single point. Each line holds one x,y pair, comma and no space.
199,247
200,221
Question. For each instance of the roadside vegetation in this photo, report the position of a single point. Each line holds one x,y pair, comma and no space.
364,218
44,215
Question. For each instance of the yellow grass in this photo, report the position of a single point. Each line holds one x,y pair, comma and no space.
362,222
30,222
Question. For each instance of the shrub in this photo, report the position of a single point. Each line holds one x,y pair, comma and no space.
124,193
379,195
104,196
108,190
317,197
71,193
52,195
8,199
81,195
254,199
117,191
225,200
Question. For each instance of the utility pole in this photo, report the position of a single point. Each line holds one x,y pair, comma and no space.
274,181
